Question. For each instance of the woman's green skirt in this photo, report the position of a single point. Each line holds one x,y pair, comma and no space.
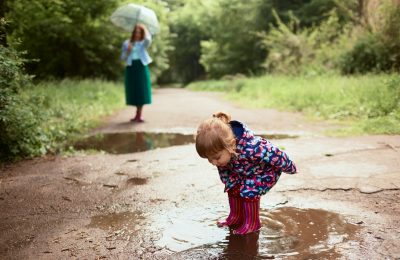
137,84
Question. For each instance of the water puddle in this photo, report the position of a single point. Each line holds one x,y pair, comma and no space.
121,143
136,181
286,232
121,225
277,136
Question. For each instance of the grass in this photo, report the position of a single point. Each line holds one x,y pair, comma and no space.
371,103
72,107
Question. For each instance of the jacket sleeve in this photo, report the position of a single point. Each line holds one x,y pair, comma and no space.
147,39
271,154
124,51
223,174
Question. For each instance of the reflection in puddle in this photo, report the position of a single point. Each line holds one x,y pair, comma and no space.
123,225
120,143
187,229
286,232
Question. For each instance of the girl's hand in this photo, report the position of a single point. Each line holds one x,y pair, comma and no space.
143,27
129,47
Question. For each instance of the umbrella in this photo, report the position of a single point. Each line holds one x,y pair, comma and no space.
127,16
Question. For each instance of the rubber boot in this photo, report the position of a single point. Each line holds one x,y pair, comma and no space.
251,211
236,211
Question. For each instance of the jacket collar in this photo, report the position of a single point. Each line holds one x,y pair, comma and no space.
242,134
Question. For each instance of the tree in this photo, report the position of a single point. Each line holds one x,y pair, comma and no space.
189,26
66,38
234,46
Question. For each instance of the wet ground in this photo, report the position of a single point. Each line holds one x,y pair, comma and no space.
162,202
287,231
120,143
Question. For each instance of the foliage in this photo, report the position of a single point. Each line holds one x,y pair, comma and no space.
20,117
234,46
66,38
360,45
76,38
390,33
35,120
309,12
294,50
378,49
72,107
188,28
371,102
369,54
3,24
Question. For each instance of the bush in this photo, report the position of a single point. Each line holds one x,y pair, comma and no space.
369,54
73,107
294,50
20,115
378,50
35,119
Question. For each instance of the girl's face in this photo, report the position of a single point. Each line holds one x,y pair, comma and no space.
221,158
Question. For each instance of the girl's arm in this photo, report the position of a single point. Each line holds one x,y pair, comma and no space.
269,153
147,37
125,50
223,174
228,178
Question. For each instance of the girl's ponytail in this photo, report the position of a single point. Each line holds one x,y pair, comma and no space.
223,117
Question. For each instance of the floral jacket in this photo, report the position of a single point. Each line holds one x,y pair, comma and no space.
257,166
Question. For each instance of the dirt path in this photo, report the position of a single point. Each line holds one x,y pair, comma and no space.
163,203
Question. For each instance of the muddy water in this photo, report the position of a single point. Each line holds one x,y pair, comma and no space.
286,233
137,181
121,143
121,225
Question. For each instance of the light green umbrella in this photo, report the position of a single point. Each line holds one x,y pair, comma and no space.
127,16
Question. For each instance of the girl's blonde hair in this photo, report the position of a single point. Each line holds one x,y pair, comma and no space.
215,135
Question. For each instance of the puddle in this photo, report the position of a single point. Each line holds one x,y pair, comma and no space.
286,232
122,225
278,136
121,143
136,181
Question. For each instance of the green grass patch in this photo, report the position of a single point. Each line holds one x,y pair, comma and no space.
371,103
72,107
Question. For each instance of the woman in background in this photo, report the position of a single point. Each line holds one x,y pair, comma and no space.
137,74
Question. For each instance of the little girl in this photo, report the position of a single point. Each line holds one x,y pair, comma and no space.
248,165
